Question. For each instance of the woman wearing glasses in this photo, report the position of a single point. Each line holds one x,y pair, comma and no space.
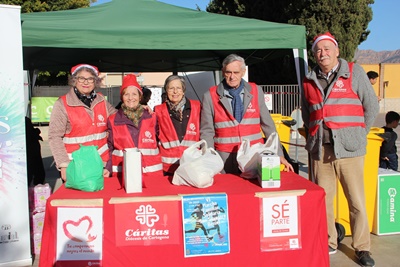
79,117
179,123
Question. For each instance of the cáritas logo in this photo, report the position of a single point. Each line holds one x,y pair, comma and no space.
146,215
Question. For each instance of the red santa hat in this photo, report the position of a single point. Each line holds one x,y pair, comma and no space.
324,36
75,68
130,80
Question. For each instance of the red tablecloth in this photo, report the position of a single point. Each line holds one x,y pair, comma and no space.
244,223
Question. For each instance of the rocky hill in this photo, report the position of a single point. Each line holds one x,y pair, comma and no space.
373,57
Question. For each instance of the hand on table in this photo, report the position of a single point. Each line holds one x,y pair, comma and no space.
288,166
106,173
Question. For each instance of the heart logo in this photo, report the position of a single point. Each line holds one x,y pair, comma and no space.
78,231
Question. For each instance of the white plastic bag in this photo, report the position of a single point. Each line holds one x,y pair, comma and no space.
198,166
247,156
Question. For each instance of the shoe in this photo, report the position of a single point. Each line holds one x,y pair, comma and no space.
332,250
364,258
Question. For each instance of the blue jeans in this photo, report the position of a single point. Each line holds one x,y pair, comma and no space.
392,163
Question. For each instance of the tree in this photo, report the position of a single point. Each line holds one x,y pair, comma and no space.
347,20
43,6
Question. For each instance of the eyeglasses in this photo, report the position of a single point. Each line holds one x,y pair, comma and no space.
83,79
172,89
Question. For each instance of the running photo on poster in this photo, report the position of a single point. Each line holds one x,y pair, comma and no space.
205,225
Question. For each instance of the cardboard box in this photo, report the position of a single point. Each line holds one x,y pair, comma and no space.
132,171
269,172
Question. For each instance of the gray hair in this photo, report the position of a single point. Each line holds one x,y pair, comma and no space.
73,78
231,58
173,78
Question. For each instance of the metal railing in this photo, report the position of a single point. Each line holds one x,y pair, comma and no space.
286,98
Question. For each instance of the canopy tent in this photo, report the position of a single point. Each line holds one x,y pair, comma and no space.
150,36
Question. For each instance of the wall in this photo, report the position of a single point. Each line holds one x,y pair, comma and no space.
388,85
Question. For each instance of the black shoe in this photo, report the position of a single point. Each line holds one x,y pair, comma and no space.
332,250
364,258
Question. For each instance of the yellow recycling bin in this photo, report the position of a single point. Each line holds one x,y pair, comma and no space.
282,125
371,166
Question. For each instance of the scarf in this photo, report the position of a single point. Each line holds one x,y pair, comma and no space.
134,114
237,103
176,110
87,100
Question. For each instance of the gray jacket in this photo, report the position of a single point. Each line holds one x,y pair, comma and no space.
350,141
207,130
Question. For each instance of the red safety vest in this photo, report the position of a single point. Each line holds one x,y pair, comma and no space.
228,131
85,130
170,148
341,108
151,159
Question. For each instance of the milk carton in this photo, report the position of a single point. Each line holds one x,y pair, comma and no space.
269,173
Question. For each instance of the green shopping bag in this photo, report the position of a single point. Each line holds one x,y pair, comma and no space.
85,171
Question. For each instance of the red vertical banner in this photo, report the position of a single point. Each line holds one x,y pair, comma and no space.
280,223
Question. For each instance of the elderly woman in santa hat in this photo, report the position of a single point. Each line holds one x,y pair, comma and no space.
133,126
79,117
179,121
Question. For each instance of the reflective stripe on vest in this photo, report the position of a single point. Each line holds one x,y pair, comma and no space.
228,131
151,159
86,130
170,148
342,107
84,139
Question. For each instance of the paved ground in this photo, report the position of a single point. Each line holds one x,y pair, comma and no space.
384,248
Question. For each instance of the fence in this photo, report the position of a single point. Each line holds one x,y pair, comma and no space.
285,98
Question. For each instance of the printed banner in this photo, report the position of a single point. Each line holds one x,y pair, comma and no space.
147,223
15,246
280,223
388,200
41,108
206,225
79,236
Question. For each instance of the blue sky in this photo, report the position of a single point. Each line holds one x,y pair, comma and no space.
385,32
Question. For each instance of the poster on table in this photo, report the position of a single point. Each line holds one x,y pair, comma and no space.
15,248
79,236
206,225
147,223
280,223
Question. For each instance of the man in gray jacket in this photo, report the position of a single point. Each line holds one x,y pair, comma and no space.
234,110
339,107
